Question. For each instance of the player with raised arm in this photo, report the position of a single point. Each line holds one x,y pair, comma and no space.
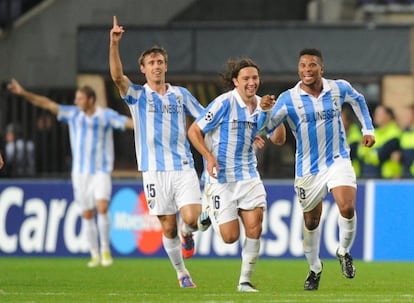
171,184
91,140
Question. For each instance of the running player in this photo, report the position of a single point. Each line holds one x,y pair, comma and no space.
313,111
225,134
163,152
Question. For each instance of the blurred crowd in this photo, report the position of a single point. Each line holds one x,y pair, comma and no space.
392,156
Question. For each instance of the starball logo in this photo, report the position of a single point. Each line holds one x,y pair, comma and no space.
133,230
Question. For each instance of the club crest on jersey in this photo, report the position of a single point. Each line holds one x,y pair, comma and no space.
151,203
209,116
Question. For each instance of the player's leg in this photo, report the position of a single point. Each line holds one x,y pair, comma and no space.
88,221
172,246
187,226
102,193
251,197
159,193
311,246
103,230
347,222
83,195
187,194
311,191
342,184
252,221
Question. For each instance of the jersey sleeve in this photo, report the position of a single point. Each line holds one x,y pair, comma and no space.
66,112
212,115
192,106
116,120
359,106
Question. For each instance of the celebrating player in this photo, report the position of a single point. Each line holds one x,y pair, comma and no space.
163,152
91,138
225,134
313,111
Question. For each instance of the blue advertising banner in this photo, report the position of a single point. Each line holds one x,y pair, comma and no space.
394,221
40,218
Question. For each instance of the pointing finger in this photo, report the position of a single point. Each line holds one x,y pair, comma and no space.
115,21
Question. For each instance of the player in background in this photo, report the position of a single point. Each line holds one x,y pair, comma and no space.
171,183
313,111
91,140
224,134
1,161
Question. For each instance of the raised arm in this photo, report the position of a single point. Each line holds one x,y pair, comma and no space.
115,64
36,100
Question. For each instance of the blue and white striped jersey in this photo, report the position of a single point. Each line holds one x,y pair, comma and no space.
316,123
230,130
91,137
161,142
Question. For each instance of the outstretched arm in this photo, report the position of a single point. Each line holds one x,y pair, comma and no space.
36,100
115,64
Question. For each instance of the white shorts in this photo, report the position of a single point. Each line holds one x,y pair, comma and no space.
312,189
225,199
167,191
89,188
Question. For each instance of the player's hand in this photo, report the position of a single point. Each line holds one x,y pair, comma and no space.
259,142
267,102
368,140
15,87
116,31
212,166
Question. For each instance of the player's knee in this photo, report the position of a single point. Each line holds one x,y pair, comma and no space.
229,239
230,236
347,212
311,224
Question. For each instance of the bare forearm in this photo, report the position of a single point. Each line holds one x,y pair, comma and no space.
40,101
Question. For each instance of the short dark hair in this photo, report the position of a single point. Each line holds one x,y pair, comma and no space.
156,49
311,51
88,91
233,67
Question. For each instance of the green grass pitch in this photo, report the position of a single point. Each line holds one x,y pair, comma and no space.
34,280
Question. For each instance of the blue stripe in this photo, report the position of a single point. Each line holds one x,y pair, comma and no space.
328,107
82,144
312,133
142,121
174,131
158,128
95,129
252,156
223,145
241,136
73,139
221,154
294,118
